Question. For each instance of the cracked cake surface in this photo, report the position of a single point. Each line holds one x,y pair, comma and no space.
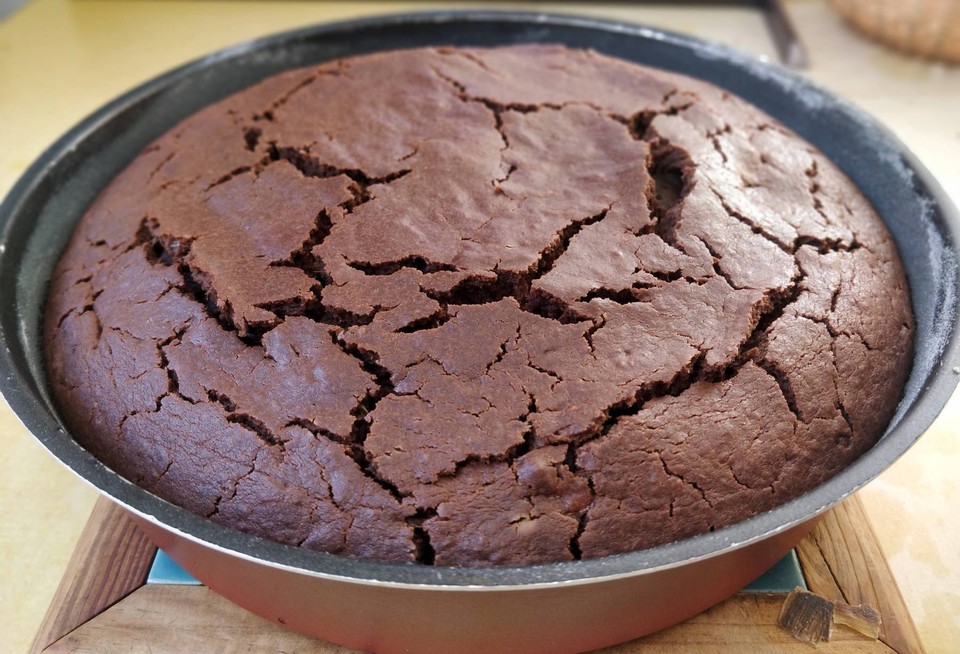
475,307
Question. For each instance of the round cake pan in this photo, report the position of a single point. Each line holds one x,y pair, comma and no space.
571,606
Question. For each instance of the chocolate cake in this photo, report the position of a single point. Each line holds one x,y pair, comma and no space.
476,307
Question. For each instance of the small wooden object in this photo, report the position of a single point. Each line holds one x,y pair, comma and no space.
103,604
864,619
807,616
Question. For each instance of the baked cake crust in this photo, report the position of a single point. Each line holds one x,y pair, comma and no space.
473,307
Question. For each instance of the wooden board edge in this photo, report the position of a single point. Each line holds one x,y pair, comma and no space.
841,559
113,557
141,623
111,560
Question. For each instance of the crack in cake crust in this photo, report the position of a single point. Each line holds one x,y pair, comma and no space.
518,305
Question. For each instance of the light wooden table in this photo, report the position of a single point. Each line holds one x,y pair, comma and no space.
61,59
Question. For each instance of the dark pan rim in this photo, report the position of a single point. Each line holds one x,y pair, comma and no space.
16,382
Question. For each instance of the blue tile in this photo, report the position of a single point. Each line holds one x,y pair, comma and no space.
781,578
166,571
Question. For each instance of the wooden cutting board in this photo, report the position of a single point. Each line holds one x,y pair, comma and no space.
104,605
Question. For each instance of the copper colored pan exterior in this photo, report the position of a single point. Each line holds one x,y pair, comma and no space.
551,618
563,607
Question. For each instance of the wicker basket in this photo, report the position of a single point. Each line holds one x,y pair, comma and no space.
928,28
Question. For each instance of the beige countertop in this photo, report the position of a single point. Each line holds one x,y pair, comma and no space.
61,59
